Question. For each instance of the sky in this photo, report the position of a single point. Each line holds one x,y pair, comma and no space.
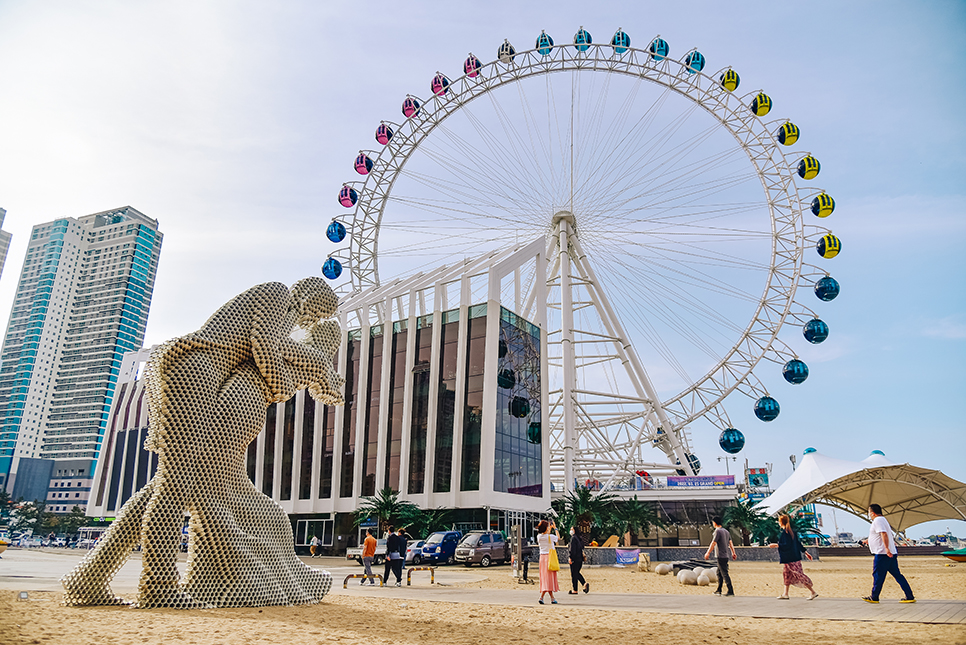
234,125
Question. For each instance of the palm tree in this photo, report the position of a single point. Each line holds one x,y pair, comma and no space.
744,517
386,506
632,516
585,508
421,522
766,530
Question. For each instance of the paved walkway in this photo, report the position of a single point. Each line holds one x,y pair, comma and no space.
923,611
41,570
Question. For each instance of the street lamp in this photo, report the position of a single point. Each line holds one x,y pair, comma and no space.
726,459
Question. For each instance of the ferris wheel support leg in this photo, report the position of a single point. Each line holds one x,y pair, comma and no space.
567,347
627,354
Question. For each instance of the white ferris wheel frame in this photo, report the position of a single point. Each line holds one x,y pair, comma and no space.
776,170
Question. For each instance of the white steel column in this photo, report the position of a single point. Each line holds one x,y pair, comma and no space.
562,222
627,353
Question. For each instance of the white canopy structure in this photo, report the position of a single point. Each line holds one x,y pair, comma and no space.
907,494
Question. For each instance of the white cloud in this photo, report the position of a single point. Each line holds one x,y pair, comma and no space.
949,328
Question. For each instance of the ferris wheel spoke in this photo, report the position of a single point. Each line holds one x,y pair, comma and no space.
463,167
668,189
685,277
654,159
673,292
678,193
670,291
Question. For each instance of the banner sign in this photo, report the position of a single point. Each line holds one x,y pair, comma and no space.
701,481
628,556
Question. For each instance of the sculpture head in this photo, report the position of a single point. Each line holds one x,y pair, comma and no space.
312,301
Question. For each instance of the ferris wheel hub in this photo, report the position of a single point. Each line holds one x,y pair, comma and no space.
563,216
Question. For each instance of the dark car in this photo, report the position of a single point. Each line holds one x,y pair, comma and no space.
483,548
440,547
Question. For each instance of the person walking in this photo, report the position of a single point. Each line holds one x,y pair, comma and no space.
885,556
314,546
398,562
790,552
390,543
547,541
407,538
576,560
368,553
721,543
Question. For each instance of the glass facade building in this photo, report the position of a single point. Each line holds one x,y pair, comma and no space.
379,446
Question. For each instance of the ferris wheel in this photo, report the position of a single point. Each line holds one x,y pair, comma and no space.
680,223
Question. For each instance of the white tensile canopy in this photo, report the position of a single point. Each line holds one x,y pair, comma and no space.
907,494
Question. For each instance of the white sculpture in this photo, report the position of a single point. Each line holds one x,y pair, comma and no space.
687,577
703,579
208,393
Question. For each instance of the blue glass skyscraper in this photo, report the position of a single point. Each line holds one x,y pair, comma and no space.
81,303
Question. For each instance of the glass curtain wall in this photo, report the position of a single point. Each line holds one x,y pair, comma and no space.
268,451
370,443
328,449
518,463
349,412
420,412
446,402
397,387
308,444
288,448
473,405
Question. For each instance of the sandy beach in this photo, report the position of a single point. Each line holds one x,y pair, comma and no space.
379,618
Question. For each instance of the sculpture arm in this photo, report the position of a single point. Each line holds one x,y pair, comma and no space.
272,323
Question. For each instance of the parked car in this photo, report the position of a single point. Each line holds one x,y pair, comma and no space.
440,547
414,552
31,542
483,548
355,553
86,543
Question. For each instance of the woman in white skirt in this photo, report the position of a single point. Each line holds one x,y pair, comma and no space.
547,539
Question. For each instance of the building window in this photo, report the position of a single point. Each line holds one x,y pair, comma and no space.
268,451
328,449
473,404
370,442
420,411
349,415
288,448
308,439
306,529
397,387
446,402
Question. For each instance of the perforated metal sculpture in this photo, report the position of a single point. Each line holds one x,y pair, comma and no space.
208,396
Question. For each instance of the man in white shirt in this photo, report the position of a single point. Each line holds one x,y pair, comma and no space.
885,554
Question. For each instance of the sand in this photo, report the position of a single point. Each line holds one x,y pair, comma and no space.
354,620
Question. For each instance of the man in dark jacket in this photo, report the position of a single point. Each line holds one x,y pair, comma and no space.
400,548
392,546
576,560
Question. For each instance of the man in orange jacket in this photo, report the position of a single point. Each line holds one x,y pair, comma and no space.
368,552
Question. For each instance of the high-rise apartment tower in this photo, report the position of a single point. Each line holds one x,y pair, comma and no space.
81,303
